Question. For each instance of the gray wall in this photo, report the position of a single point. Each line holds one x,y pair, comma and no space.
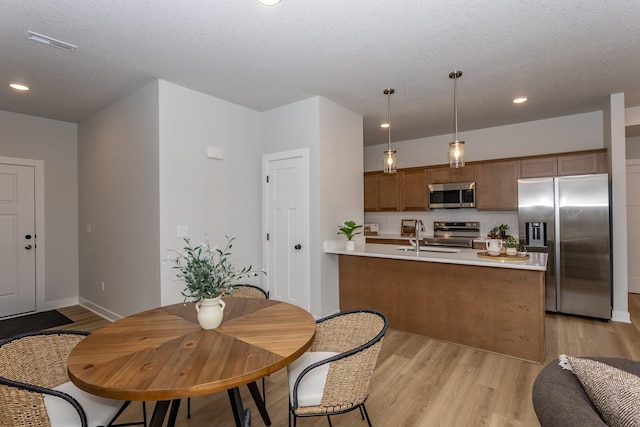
55,143
119,198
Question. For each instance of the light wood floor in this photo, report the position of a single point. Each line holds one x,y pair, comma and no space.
423,382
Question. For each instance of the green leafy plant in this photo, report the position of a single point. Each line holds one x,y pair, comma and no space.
349,229
503,227
206,270
511,242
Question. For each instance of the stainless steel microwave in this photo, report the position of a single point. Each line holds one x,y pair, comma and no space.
452,195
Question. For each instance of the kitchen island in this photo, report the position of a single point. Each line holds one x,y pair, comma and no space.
449,294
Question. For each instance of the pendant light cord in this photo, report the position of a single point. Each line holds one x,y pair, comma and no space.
389,116
455,104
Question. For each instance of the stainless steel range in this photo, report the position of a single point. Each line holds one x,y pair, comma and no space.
454,233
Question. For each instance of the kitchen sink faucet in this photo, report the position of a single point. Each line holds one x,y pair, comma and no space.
419,228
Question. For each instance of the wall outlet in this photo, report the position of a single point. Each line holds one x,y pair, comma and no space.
182,231
102,286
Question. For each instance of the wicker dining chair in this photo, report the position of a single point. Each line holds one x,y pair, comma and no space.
249,291
334,376
35,389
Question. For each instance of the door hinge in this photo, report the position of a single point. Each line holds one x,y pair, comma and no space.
267,236
267,179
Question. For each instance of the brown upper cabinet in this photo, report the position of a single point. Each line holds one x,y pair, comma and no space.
381,191
562,165
445,174
371,192
496,181
578,164
414,190
539,167
497,186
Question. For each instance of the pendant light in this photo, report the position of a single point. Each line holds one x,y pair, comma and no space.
389,154
456,148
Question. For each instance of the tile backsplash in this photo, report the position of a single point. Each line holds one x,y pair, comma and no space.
389,222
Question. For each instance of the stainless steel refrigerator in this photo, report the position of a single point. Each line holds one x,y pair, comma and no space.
568,217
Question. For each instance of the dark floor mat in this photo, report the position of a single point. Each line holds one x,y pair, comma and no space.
32,322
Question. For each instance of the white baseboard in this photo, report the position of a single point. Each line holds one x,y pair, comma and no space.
100,311
67,302
621,316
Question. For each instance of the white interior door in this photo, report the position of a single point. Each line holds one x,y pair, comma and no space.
286,226
17,240
633,225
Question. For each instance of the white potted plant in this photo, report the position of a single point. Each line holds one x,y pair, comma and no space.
208,275
512,245
349,229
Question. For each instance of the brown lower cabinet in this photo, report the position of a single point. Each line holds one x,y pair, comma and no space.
495,309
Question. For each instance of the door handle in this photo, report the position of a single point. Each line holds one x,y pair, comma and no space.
297,247
28,247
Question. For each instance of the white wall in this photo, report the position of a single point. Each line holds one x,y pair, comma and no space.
341,190
632,116
333,136
560,134
55,143
614,139
632,147
213,197
119,198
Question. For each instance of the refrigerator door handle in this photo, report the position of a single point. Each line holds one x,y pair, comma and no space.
556,243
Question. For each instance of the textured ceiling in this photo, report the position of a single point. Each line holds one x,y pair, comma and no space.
566,56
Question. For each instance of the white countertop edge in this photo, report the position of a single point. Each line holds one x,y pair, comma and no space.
537,261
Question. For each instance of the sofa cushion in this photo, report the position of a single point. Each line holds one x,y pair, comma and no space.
560,400
614,392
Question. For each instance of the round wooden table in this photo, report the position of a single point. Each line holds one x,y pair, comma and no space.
163,355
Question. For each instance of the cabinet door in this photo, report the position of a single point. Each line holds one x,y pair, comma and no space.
578,164
497,186
439,175
371,192
537,168
414,190
465,174
388,184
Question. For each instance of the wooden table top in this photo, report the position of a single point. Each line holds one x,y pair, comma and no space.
163,354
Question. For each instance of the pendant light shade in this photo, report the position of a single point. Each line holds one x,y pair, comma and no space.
456,148
389,154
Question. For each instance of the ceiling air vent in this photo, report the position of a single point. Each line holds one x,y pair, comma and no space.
50,41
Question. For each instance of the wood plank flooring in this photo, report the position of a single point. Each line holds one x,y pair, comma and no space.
424,382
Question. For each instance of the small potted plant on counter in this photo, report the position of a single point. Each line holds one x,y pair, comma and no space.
503,230
349,229
512,245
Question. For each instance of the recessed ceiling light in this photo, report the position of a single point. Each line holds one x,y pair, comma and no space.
520,100
269,2
18,86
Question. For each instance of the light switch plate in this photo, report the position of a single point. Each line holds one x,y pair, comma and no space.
182,231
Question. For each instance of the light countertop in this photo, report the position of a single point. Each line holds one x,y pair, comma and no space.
536,261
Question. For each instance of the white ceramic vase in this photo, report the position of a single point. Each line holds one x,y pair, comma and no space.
210,312
350,245
512,251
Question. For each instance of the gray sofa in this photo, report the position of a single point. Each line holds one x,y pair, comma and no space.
560,400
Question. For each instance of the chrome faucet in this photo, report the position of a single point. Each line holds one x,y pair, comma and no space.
419,228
